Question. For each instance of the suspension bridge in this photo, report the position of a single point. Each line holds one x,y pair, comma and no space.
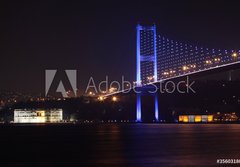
159,59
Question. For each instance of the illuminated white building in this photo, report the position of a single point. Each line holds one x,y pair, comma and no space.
38,116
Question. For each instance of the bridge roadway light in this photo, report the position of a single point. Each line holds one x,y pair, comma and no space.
112,89
234,55
150,78
193,66
165,73
184,68
208,62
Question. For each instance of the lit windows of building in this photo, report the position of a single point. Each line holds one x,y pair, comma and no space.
195,118
38,116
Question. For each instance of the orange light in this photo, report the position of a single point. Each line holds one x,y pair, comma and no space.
208,62
100,98
198,118
234,55
114,98
184,68
185,118
210,118
112,89
41,113
165,73
180,118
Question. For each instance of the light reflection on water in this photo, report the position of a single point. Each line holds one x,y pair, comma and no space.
120,144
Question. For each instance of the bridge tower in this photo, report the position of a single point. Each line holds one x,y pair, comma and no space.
146,72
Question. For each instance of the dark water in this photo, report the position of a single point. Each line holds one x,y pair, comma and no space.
137,145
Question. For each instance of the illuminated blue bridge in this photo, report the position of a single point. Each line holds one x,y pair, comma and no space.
159,59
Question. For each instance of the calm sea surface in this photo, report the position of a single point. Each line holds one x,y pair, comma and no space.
123,145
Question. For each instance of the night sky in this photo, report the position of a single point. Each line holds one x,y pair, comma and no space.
98,38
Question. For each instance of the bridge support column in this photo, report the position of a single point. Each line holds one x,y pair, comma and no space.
146,91
139,109
156,107
146,51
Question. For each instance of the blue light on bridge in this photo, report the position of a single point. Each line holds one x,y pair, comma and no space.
156,107
146,56
159,58
139,119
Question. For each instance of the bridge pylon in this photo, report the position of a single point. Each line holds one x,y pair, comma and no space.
146,55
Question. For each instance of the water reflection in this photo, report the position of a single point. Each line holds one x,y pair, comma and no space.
142,145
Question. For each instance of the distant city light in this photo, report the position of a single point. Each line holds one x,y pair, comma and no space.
100,98
91,94
114,98
112,89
